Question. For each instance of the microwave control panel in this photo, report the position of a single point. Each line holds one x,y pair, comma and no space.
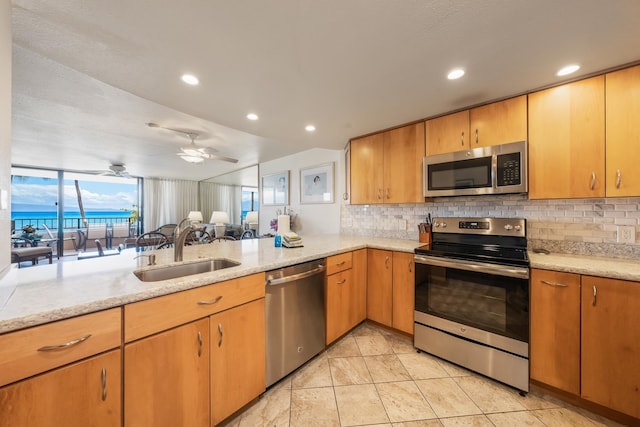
508,169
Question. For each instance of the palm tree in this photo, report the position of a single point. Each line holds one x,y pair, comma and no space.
80,206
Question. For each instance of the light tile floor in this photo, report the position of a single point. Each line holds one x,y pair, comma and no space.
373,377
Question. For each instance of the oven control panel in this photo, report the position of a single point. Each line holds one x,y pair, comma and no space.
492,226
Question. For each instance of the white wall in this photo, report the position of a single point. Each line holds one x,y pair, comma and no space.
311,218
5,128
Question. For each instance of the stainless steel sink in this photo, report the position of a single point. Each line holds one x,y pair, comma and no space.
181,270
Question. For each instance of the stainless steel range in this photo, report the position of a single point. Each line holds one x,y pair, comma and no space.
472,296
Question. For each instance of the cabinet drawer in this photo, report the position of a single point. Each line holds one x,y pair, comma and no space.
32,351
338,263
158,314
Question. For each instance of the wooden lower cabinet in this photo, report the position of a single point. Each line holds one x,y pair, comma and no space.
403,292
555,329
237,358
346,294
611,343
380,286
85,393
166,378
390,289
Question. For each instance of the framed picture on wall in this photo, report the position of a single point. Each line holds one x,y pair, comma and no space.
316,184
275,189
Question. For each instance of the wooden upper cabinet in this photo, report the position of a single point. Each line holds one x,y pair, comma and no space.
623,132
447,134
555,329
387,167
611,343
499,122
567,141
492,124
367,179
403,154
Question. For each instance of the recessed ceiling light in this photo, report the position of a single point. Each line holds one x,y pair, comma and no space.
252,116
309,128
568,70
190,79
456,73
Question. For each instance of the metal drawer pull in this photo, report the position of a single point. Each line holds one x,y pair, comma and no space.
410,263
340,282
104,384
386,262
593,180
595,295
65,345
379,193
211,301
462,139
476,136
338,264
560,285
388,196
220,330
199,343
618,178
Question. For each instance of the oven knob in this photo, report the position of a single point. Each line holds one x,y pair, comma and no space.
517,228
444,225
436,224
508,227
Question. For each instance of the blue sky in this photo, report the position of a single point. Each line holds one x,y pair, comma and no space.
43,193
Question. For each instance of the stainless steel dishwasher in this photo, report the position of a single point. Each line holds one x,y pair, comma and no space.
294,317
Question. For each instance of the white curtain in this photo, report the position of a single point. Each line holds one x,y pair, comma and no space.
168,201
221,197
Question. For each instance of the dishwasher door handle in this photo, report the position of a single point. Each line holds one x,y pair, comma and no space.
295,277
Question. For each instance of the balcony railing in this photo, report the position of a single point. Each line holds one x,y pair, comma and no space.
68,223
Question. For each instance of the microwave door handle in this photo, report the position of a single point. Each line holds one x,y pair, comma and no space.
494,170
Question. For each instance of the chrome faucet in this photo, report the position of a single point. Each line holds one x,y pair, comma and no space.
180,236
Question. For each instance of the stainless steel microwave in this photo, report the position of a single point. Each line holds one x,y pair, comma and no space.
499,169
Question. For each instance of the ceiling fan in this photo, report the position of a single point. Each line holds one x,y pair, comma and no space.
193,153
115,169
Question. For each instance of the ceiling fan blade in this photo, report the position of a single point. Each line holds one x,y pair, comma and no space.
223,158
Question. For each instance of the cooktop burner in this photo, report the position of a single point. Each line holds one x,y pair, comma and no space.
494,240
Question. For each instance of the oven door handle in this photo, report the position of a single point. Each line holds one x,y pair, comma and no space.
479,267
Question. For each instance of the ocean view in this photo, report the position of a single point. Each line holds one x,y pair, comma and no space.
71,218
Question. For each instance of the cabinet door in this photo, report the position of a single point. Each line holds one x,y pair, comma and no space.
447,134
359,272
566,141
611,343
623,132
237,358
555,329
367,173
339,301
83,394
403,154
499,122
380,286
166,378
403,292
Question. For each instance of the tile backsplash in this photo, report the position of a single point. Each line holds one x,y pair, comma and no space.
577,226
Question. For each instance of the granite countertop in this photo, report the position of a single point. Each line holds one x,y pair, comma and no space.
33,296
614,268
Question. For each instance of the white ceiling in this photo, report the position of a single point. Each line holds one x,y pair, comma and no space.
88,74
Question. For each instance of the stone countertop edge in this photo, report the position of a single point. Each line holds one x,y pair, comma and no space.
48,293
35,296
613,268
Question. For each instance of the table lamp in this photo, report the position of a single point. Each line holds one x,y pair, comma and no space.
219,219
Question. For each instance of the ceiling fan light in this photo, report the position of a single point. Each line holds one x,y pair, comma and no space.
191,151
191,159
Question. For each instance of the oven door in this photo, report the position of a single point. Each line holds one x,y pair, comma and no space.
483,302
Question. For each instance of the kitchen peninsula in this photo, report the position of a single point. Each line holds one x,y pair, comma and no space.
134,334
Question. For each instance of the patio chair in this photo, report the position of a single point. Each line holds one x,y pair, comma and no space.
152,238
117,234
53,239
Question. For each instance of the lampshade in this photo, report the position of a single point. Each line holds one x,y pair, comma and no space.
219,217
195,216
252,217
